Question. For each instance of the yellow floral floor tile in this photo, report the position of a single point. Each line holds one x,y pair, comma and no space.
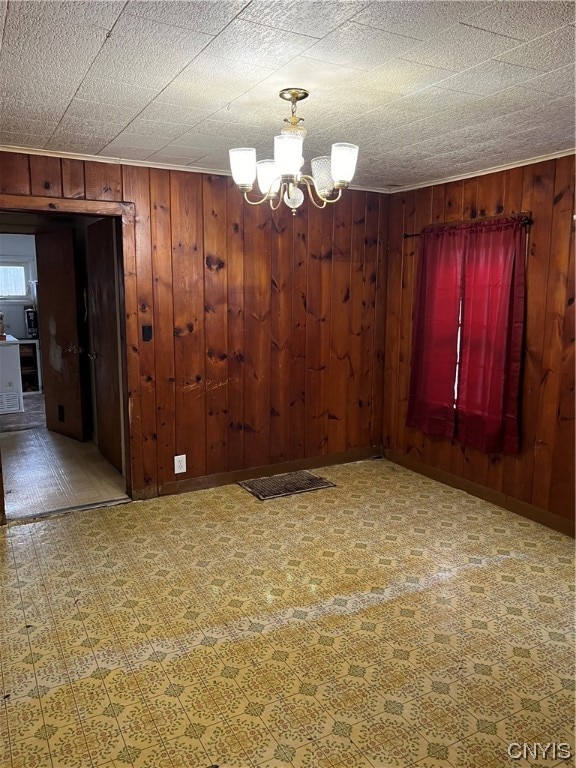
386,622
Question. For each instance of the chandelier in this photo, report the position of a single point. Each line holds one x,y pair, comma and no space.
280,179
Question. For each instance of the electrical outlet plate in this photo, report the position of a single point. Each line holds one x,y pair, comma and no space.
179,464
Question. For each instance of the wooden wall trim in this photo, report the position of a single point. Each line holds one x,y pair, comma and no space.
227,478
522,508
25,203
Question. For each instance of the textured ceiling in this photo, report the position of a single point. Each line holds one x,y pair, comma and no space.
429,90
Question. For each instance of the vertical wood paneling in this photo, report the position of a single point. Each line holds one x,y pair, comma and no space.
376,435
189,343
216,320
235,243
561,237
339,363
562,481
45,176
369,279
407,284
317,330
353,404
136,182
14,173
103,181
257,279
299,300
163,322
73,179
394,281
280,331
543,473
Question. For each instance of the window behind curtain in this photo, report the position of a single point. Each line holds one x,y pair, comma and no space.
468,330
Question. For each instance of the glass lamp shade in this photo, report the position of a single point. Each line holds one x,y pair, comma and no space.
243,166
268,175
288,154
343,163
294,199
322,176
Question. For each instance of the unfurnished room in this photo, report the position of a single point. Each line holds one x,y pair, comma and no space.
287,446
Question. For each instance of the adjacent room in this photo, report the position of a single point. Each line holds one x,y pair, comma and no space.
287,384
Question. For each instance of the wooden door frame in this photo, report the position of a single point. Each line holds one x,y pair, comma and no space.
128,301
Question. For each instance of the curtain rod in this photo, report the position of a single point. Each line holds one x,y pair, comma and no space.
526,221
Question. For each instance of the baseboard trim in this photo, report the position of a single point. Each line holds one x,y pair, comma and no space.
226,478
549,519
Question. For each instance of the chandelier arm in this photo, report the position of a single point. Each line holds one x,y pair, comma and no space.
278,202
311,184
254,202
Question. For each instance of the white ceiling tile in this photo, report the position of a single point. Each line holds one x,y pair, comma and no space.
246,42
21,139
421,20
359,46
137,141
98,112
460,47
40,127
169,158
71,142
200,139
174,113
546,53
489,77
168,131
525,20
402,77
315,19
209,17
31,110
115,93
145,53
559,81
125,152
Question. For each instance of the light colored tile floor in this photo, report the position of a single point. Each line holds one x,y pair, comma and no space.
384,623
46,472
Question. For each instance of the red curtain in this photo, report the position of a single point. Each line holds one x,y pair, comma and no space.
481,266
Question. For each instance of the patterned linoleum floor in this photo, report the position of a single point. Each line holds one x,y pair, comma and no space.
389,621
46,472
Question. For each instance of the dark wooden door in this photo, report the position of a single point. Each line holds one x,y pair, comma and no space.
60,294
104,330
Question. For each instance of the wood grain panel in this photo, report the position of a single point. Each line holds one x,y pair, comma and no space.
257,279
235,239
163,294
14,173
45,176
547,424
216,322
357,256
562,481
103,181
376,435
407,292
369,278
394,281
299,298
280,331
136,183
73,178
317,330
339,362
189,340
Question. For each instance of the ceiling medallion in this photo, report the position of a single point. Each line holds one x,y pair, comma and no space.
280,179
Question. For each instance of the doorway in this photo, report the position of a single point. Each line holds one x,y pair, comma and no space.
77,457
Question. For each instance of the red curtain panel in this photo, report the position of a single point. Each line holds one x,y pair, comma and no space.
468,332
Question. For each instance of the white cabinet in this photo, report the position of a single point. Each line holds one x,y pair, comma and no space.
11,400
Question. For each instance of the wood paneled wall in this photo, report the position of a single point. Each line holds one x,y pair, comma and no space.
280,338
268,342
543,473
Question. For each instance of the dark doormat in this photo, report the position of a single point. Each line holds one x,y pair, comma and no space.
285,485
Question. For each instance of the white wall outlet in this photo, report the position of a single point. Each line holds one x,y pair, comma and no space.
179,463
